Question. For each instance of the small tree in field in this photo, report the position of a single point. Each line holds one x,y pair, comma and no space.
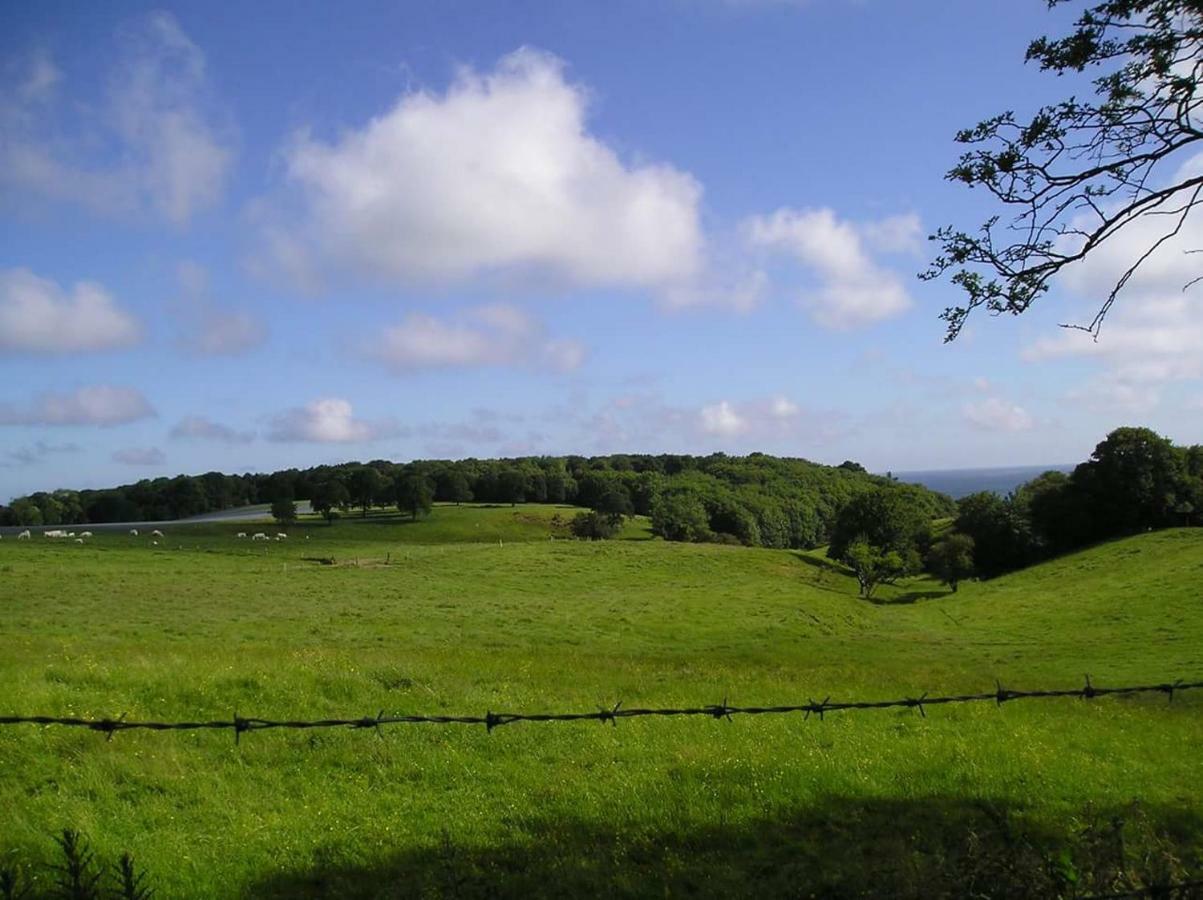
414,495
595,526
328,495
951,559
284,511
873,566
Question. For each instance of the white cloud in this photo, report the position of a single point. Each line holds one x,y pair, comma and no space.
39,316
853,289
101,405
493,335
329,420
157,150
201,428
783,408
498,173
996,414
721,419
140,456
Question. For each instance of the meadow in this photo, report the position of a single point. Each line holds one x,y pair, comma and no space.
478,608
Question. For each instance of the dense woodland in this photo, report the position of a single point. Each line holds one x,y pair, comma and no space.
757,500
1134,481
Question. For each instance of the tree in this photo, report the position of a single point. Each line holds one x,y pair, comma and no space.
951,559
595,526
284,511
615,502
457,488
873,566
366,487
885,517
415,495
1081,175
680,516
511,486
1002,535
1132,480
326,495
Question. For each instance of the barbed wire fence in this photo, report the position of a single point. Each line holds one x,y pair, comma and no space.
491,720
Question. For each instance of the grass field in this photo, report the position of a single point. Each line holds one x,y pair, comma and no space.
476,609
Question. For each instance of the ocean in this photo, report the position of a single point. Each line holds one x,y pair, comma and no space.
959,483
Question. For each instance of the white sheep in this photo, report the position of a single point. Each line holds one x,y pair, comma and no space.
79,540
154,543
24,535
70,534
84,534
156,533
259,536
241,534
280,535
134,532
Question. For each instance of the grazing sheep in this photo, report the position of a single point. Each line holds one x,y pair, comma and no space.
134,532
154,543
156,533
24,535
241,534
280,535
70,534
259,536
84,534
79,540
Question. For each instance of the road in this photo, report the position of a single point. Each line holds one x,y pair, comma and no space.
258,511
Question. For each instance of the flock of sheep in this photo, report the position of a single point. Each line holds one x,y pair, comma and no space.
59,533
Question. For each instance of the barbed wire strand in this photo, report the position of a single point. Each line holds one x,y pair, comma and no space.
240,724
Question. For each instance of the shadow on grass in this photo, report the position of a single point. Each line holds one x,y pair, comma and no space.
931,847
910,597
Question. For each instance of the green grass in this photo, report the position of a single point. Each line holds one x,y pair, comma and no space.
476,608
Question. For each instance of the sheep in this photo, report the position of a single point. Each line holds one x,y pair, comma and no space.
24,535
259,536
79,540
133,532
70,534
241,534
156,533
84,534
154,543
280,535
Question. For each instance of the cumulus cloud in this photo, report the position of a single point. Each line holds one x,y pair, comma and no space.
997,414
493,335
39,316
329,420
203,429
499,173
853,289
27,456
722,419
140,456
158,149
101,405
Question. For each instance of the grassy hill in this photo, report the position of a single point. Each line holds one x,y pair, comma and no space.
477,608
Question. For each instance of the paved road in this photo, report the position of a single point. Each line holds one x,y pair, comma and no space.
238,514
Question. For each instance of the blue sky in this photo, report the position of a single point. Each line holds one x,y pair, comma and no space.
244,239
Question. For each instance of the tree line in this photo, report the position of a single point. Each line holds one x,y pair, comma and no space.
755,500
1135,480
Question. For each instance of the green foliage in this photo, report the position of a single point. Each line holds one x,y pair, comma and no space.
681,516
950,559
284,511
884,517
327,496
874,566
367,487
595,526
415,495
